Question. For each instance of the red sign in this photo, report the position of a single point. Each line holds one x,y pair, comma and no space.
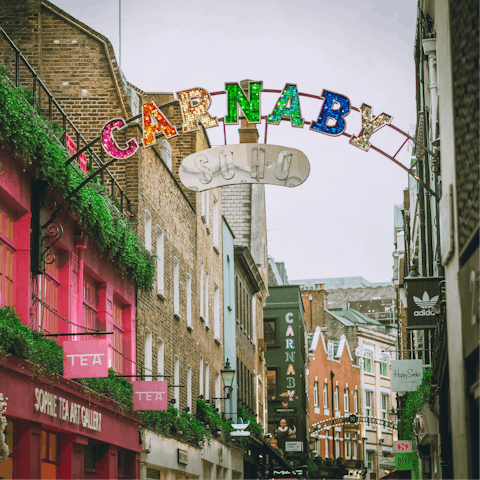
150,395
402,446
85,359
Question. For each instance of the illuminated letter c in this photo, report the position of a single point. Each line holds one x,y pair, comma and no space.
110,145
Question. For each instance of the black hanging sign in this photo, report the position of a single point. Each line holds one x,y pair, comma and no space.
423,301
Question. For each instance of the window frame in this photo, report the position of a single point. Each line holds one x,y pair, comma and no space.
215,226
269,383
315,393
383,366
148,231
160,251
176,287
325,395
216,312
346,400
189,300
148,353
274,334
118,339
367,356
7,243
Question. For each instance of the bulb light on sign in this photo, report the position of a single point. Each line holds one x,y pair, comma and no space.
195,102
109,143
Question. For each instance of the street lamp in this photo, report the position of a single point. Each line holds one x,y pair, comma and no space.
228,375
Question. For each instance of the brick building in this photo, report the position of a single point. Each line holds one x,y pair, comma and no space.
441,238
342,391
371,346
243,207
180,322
60,275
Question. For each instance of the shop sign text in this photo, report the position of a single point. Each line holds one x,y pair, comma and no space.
59,407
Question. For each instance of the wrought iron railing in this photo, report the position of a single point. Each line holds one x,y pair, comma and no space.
63,129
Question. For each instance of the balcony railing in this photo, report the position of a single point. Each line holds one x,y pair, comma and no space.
21,73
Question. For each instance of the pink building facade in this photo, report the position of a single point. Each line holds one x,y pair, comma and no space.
56,428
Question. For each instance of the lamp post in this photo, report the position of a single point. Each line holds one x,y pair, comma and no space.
228,375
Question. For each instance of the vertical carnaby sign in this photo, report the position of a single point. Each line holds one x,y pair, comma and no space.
85,359
423,299
150,395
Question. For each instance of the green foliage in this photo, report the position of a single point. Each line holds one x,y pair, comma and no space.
17,339
30,138
168,421
254,427
414,406
116,388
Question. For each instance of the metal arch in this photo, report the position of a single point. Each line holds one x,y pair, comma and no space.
408,137
361,419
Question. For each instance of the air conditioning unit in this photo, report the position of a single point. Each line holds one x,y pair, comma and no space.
148,444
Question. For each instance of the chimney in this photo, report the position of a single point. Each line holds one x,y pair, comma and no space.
248,131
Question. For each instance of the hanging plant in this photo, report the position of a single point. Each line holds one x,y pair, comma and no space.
32,139
3,424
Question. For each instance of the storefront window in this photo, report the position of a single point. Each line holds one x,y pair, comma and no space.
49,294
6,467
6,259
90,303
49,454
118,338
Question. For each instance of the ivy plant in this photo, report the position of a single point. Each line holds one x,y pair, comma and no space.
414,406
31,139
19,340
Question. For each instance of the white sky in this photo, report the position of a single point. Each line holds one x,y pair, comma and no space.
340,221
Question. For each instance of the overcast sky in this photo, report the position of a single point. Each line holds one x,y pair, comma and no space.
340,221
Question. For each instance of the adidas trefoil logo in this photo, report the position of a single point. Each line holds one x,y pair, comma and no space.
425,303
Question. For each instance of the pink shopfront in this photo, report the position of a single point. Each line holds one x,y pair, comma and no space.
55,430
59,431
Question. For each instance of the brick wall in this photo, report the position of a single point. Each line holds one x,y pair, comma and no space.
314,317
78,66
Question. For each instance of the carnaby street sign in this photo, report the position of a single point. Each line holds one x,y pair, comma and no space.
194,104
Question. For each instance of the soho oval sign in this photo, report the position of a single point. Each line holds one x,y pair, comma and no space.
244,163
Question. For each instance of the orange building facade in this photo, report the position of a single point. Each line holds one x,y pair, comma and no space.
334,387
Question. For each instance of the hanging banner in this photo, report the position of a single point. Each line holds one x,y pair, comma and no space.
244,163
423,299
407,375
85,359
151,395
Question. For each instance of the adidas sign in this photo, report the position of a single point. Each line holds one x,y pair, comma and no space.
424,313
425,303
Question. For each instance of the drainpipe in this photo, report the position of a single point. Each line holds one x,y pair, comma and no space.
333,414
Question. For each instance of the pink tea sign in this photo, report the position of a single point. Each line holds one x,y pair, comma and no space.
85,359
150,395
